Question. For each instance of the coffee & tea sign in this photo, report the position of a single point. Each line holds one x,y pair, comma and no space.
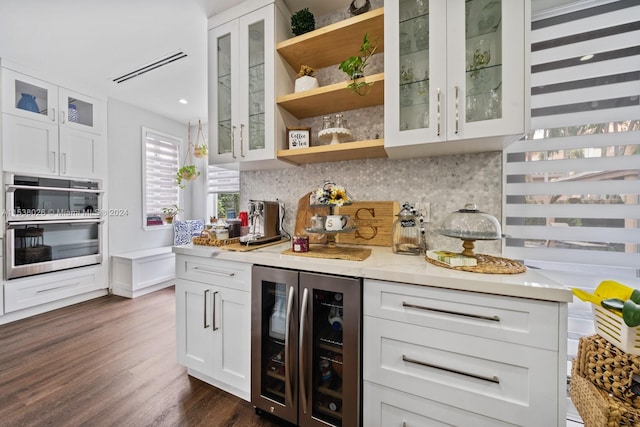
299,137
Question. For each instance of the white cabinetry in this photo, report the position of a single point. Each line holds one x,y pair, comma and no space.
434,356
213,322
243,86
50,130
456,75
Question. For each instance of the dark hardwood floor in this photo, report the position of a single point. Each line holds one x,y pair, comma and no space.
107,362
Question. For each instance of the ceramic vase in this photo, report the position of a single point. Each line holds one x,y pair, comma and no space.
28,102
305,83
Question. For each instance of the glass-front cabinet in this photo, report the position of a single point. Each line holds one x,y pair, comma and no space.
241,88
456,75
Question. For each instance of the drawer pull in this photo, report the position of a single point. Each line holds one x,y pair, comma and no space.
455,313
215,272
492,379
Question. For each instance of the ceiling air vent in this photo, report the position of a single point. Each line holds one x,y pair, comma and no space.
152,66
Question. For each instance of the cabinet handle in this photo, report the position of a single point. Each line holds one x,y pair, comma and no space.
62,117
204,322
214,272
233,141
455,313
438,109
287,357
457,109
53,114
301,347
63,161
492,379
52,155
213,312
242,140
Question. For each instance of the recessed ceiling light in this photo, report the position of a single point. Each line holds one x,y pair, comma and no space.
182,101
586,57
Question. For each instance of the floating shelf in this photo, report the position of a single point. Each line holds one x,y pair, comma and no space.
369,149
332,44
332,98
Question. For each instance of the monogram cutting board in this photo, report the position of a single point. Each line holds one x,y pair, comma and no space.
374,223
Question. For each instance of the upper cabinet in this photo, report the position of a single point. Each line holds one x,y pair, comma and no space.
242,89
456,75
50,130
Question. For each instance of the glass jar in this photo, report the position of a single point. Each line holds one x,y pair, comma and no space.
340,122
327,123
407,238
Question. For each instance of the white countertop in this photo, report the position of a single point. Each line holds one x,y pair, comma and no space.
383,264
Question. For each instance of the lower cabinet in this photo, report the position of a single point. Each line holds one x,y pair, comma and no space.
434,356
213,322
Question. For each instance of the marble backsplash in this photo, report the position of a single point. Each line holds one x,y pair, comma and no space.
447,183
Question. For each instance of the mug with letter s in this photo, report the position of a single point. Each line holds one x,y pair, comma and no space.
336,222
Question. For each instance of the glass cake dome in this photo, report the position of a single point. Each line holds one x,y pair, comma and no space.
470,224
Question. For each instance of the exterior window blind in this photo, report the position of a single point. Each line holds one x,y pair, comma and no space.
572,184
161,160
223,180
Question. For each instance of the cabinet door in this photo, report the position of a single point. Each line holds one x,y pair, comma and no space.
79,153
80,112
29,146
223,92
27,97
486,68
232,337
257,96
415,72
194,326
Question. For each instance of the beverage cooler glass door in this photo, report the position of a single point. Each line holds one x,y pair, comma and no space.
274,336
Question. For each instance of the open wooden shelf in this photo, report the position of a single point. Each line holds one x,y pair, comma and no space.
334,43
369,149
332,98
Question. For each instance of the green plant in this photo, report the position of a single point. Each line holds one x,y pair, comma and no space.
170,213
200,150
354,66
186,173
302,22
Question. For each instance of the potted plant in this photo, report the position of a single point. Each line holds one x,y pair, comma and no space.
306,79
302,22
200,150
354,66
170,213
186,173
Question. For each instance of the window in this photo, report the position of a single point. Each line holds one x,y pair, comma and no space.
223,192
572,184
160,166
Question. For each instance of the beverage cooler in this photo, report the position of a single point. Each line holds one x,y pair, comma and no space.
306,341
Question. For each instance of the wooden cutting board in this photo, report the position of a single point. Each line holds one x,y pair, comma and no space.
303,219
374,223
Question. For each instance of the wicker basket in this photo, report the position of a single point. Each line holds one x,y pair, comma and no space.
205,239
596,407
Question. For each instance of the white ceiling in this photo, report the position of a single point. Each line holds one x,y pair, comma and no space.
87,43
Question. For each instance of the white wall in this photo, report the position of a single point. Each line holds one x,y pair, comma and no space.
125,177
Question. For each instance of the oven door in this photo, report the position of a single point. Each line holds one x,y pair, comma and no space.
36,247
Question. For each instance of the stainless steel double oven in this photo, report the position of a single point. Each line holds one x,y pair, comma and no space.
51,224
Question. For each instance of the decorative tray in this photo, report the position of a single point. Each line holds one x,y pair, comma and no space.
487,264
205,239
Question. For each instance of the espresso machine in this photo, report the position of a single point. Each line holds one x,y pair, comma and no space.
265,222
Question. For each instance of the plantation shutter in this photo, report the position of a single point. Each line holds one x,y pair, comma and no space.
572,184
161,166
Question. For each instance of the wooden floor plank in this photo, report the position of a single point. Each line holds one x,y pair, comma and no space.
107,362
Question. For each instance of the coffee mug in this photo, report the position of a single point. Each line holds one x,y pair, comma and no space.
335,222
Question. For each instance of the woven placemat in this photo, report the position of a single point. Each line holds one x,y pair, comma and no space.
243,247
487,264
347,253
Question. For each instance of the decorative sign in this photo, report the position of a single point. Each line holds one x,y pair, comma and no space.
299,137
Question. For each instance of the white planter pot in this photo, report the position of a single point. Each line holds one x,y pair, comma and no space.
305,83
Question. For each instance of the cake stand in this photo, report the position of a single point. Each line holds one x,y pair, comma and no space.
334,134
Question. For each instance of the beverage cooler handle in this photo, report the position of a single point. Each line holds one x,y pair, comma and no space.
204,324
303,316
287,340
213,311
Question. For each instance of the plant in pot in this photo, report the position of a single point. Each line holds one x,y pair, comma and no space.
354,66
199,149
186,173
302,22
305,79
170,213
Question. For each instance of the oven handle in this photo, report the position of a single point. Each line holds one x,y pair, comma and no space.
14,187
17,224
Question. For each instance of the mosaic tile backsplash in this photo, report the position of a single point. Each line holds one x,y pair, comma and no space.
447,183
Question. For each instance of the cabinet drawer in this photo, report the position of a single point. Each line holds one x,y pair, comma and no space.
230,274
482,376
516,320
383,406
31,292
